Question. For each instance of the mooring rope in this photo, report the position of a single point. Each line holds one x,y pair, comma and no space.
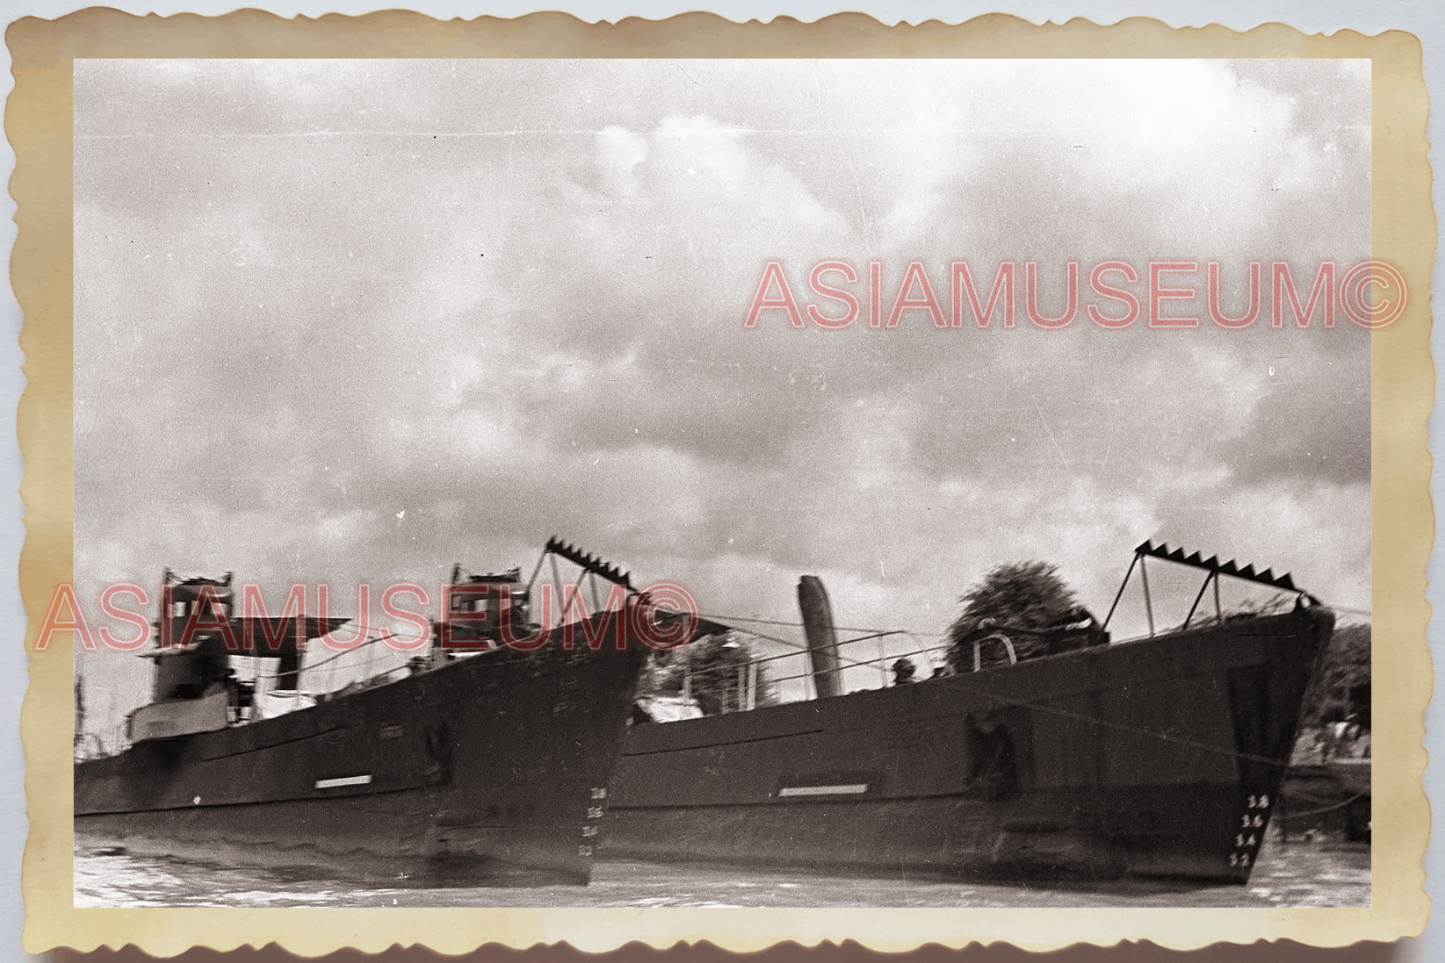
1326,809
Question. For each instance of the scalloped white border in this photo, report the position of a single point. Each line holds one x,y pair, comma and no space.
1421,17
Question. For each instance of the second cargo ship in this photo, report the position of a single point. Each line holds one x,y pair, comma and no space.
1161,756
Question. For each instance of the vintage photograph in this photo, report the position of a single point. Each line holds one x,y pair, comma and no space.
723,483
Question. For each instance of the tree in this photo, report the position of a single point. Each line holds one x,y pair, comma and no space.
1028,603
1341,688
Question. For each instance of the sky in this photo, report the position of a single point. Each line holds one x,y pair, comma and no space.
354,321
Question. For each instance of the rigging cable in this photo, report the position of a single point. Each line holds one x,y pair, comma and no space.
354,648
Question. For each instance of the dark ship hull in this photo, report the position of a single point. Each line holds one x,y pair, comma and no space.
1157,757
491,768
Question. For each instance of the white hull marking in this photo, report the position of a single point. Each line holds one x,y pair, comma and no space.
849,790
343,781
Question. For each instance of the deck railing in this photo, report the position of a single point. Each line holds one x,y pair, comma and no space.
744,680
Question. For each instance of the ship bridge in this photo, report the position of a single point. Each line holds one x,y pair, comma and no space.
195,688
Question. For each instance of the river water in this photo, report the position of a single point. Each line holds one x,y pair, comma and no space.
1299,874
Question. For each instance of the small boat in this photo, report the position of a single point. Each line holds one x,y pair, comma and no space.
1161,756
482,761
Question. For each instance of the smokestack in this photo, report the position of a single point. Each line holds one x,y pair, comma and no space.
822,637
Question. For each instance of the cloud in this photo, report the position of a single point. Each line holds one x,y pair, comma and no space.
361,321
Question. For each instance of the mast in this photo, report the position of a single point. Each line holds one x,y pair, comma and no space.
79,713
822,636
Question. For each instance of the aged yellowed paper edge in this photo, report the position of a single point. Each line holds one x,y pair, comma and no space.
38,123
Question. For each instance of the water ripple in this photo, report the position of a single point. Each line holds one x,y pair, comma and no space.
1297,875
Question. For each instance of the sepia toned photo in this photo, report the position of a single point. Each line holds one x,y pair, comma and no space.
901,381
598,498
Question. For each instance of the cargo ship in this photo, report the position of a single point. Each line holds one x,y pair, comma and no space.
1161,756
485,760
